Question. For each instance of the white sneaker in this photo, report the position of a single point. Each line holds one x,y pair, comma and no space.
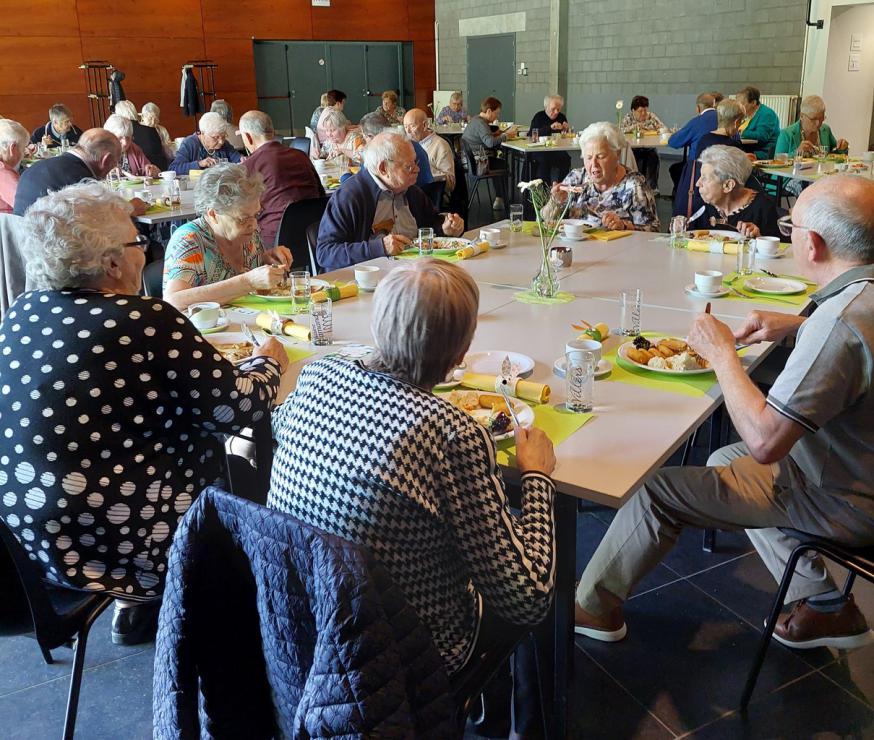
498,205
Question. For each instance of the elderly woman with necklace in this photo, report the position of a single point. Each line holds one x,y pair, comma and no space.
205,149
603,192
724,170
219,256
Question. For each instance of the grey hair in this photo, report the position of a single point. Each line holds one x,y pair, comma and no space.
372,124
332,118
225,187
812,105
59,110
126,109
602,130
212,123
456,97
256,123
150,109
223,108
728,111
728,163
70,234
424,316
12,132
837,216
119,125
549,98
382,148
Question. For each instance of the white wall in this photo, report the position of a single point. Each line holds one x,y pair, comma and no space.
849,95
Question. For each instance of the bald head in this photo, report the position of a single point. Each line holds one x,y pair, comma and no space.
101,149
416,124
840,209
256,128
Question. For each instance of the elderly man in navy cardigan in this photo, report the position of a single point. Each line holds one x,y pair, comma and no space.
378,212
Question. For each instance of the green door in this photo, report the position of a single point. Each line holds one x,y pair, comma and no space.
383,72
491,71
272,84
346,72
308,72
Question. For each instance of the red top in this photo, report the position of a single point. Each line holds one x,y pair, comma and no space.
288,176
8,186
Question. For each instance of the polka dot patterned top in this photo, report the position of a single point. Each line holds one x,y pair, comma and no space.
109,410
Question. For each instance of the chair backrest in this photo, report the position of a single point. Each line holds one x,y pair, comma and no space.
434,190
312,233
302,143
12,275
292,229
314,140
153,279
458,196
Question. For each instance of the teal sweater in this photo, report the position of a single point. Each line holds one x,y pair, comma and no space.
790,138
764,128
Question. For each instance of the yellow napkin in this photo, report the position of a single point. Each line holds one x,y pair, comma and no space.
525,389
472,251
289,328
717,247
603,235
336,293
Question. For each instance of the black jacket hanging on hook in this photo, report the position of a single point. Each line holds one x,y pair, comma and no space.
190,102
116,91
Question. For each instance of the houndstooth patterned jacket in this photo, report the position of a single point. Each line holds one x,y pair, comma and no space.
382,463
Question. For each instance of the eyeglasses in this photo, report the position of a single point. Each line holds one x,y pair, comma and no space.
409,168
243,220
141,243
785,226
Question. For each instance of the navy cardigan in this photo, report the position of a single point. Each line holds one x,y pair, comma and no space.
345,233
191,151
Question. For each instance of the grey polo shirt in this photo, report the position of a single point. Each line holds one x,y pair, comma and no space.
826,387
392,208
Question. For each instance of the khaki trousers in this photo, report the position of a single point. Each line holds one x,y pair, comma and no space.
733,492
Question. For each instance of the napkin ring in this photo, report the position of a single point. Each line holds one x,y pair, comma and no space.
508,383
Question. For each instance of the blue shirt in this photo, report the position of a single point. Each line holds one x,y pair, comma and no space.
425,175
191,151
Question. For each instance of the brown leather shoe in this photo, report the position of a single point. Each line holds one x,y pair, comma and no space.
804,627
609,628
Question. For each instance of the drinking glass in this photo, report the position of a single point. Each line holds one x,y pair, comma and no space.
426,242
629,311
535,136
321,322
746,256
579,381
679,227
300,291
516,217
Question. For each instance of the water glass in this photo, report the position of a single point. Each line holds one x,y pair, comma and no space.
580,381
426,242
535,135
679,227
746,256
322,322
300,291
516,217
629,311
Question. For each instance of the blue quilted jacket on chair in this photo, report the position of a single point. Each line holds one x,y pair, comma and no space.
280,630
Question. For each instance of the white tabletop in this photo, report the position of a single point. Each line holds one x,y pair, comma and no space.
525,147
811,174
185,211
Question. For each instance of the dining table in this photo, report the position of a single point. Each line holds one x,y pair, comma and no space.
639,420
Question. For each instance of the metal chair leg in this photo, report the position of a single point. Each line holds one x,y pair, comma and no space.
765,640
848,584
708,543
47,655
76,675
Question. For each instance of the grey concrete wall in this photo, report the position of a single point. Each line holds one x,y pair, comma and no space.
668,50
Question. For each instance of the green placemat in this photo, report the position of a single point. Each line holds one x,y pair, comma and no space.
297,352
736,281
262,304
556,421
157,208
411,254
529,296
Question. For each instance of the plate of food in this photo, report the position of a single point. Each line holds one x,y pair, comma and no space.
283,292
775,286
448,244
772,163
232,345
490,410
716,235
664,355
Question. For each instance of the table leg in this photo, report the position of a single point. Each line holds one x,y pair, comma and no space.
262,436
717,419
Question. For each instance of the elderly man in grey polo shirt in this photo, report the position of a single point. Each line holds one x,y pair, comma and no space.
806,461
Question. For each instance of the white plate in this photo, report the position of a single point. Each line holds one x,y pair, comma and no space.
314,282
223,323
489,363
227,337
733,235
623,353
692,290
559,367
522,409
775,286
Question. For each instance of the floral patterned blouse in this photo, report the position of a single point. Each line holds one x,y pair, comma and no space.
631,199
194,257
650,123
395,117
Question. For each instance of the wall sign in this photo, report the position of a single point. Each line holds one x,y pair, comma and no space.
855,42
321,3
855,63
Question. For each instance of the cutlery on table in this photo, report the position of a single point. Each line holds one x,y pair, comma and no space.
787,277
503,388
247,332
758,297
696,214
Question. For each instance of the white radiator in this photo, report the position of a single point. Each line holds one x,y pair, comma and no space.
785,106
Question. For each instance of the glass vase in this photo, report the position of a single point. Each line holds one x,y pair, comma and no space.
545,283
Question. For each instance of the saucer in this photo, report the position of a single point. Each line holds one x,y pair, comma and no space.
692,290
580,238
559,367
221,325
499,245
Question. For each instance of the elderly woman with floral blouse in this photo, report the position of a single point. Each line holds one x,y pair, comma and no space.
603,192
393,113
338,139
111,403
219,256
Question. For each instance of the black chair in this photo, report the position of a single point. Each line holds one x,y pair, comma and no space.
153,279
857,560
312,234
434,190
300,142
54,616
469,160
292,229
458,196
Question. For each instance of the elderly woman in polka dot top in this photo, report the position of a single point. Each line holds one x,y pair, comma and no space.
109,406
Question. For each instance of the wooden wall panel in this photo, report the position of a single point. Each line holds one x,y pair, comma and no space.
263,19
354,20
137,20
32,110
39,18
236,61
40,64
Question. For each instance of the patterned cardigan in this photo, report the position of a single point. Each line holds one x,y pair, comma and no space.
384,464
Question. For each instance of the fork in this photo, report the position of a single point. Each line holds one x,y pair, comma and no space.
247,332
753,297
503,389
789,277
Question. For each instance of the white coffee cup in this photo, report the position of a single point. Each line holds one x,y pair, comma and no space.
868,156
168,176
767,246
492,236
367,276
573,228
708,281
584,345
204,315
